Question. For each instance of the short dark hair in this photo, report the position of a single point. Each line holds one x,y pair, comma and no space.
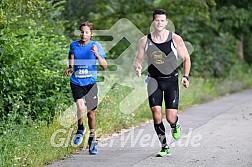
159,12
87,23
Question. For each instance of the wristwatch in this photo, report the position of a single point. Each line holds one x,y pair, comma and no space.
187,77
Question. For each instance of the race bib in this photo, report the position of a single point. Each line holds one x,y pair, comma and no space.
83,72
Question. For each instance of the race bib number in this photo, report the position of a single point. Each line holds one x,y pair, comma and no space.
83,72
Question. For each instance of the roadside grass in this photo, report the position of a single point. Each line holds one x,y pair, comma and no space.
38,143
30,145
203,90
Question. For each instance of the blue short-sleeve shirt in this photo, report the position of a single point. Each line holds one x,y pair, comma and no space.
85,71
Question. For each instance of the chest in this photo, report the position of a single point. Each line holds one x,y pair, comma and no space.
83,52
165,48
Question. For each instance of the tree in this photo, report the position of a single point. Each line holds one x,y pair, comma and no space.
234,17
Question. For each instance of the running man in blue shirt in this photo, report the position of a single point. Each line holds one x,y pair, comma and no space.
83,55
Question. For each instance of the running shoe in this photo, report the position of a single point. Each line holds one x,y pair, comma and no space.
92,147
176,132
78,138
164,152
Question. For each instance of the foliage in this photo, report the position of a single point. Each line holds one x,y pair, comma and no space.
31,48
235,17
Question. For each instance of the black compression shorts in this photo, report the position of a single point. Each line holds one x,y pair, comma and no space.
159,89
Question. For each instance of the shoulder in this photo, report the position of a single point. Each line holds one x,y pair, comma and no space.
143,41
176,38
74,43
98,44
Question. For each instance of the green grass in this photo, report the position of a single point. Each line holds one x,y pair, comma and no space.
31,145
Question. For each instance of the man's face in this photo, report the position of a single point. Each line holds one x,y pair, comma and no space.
160,22
85,33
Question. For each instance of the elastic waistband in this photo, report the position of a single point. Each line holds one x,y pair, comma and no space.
164,77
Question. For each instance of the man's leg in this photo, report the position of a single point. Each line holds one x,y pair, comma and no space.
155,102
158,124
160,130
172,119
92,101
171,116
171,97
80,111
91,125
81,128
78,93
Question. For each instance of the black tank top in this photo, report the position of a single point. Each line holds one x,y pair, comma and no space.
162,58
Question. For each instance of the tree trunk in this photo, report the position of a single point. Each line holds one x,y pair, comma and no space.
240,48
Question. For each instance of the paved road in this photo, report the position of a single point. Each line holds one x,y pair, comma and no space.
217,133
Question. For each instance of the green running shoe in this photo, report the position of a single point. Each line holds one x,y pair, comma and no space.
176,132
164,152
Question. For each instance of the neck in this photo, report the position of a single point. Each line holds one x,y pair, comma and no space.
82,43
160,34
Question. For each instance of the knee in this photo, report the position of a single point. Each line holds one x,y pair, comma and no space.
157,116
80,105
81,108
171,118
91,114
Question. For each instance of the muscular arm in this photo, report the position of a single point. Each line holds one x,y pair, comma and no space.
140,56
183,53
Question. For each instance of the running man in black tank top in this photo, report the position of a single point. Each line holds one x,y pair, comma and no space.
162,49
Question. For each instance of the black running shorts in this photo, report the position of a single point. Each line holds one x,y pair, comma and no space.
89,92
167,89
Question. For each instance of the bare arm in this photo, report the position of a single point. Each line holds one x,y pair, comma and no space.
140,56
183,53
102,62
71,63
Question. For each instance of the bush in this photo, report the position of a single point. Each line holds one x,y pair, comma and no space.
31,47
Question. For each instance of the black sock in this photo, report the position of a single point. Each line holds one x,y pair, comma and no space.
160,130
81,127
91,138
174,125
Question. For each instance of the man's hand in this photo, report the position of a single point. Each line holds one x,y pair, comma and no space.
138,71
68,71
94,49
140,56
185,82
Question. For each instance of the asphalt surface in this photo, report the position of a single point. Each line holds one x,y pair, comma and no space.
217,133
